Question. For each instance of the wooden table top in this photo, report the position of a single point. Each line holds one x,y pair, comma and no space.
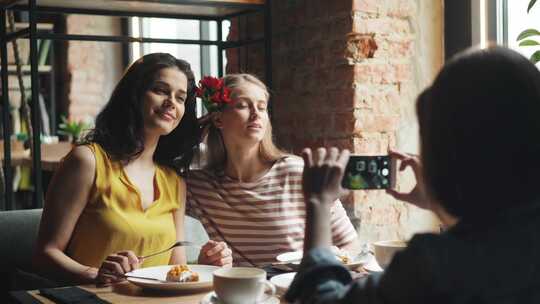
128,293
18,157
51,156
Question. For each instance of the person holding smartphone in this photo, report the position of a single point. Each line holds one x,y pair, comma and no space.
479,129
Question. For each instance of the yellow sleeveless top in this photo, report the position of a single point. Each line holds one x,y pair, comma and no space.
113,219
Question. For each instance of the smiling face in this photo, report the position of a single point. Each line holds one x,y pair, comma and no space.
164,101
245,120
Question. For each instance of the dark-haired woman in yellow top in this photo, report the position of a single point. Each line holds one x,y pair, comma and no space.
116,197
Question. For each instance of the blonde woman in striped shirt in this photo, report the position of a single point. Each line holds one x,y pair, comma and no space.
250,193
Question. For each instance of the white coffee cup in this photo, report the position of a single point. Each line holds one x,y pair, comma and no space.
242,285
385,251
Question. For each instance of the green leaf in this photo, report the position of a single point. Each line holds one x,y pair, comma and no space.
528,33
535,58
528,43
531,4
72,128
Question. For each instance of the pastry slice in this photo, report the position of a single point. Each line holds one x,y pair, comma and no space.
182,273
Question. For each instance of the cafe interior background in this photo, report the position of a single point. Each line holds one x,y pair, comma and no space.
343,73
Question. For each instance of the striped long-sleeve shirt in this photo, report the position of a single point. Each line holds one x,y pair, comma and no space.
261,219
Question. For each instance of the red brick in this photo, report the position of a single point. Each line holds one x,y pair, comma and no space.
312,57
313,124
403,72
313,35
339,6
373,143
388,26
340,26
314,10
344,123
380,99
340,143
321,54
369,6
310,143
383,73
392,47
342,76
367,121
360,47
341,100
401,8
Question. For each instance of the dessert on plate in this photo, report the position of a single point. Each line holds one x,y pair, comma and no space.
182,273
342,255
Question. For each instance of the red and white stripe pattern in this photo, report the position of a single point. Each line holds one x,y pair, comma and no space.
262,219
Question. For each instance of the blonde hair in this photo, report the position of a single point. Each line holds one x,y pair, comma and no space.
217,153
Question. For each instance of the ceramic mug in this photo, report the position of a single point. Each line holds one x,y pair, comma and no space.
385,250
242,285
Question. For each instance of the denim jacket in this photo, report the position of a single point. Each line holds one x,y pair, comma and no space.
493,260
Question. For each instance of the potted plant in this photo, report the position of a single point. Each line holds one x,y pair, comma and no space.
72,129
526,40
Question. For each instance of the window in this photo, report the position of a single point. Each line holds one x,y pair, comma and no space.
499,21
203,59
518,20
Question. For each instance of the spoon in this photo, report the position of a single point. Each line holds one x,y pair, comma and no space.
177,244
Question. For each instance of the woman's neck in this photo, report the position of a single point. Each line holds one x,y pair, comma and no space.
244,163
146,158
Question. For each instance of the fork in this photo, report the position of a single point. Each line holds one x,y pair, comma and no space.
177,244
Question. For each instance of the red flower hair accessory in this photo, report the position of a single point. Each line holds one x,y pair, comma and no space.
213,93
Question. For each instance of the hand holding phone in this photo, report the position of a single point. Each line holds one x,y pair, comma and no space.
369,172
417,195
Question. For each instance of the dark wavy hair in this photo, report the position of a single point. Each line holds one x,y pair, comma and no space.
480,133
119,126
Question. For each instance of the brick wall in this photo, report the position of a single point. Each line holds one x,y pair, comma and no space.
346,74
93,67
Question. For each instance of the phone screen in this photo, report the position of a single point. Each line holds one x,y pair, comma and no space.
368,172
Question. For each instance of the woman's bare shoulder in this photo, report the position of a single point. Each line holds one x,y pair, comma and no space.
80,157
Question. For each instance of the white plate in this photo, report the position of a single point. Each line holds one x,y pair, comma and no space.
211,298
372,266
294,257
160,272
283,281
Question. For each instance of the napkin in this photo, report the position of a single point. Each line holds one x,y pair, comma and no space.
71,295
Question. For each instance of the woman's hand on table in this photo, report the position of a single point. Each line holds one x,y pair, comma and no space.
116,265
215,253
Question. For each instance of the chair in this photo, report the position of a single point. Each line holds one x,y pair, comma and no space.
18,233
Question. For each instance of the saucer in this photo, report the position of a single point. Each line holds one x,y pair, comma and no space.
282,281
292,260
372,266
211,298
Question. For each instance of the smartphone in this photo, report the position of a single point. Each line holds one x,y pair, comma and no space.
369,172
